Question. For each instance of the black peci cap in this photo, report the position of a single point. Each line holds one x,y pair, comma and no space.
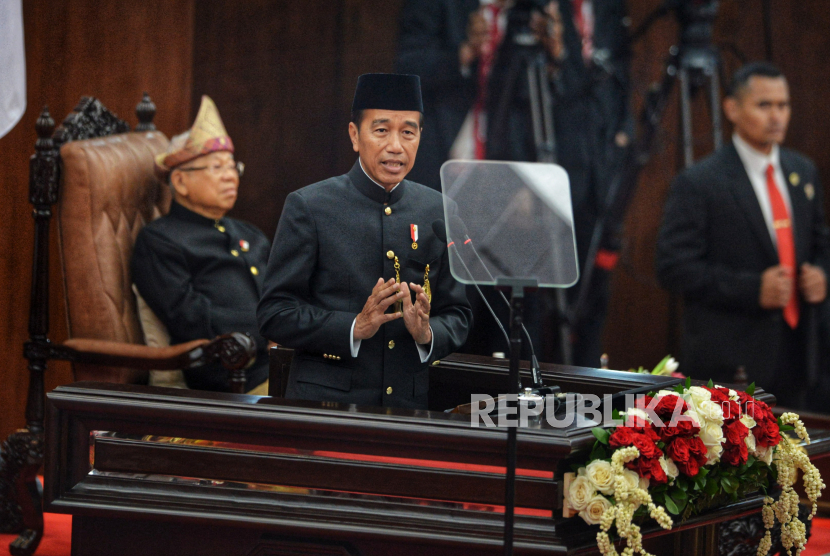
388,91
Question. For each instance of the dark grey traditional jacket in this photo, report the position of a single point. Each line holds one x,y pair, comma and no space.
203,278
334,240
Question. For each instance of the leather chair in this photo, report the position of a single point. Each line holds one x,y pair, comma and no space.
109,191
101,176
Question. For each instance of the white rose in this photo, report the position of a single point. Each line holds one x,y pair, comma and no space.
631,478
601,475
592,514
669,467
748,421
713,454
733,395
763,453
662,393
710,411
671,365
699,394
581,492
711,434
644,482
750,442
693,415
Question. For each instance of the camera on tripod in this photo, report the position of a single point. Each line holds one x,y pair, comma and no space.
519,30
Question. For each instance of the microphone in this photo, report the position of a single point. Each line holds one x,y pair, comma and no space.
441,233
456,223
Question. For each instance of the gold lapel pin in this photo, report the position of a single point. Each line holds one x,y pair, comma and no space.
795,179
809,191
413,232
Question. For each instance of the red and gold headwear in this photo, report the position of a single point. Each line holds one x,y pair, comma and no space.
207,135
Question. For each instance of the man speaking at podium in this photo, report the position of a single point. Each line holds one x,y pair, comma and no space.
357,281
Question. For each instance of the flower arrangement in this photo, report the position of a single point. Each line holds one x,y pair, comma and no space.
681,451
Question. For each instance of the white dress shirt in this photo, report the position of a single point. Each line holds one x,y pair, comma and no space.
422,350
755,163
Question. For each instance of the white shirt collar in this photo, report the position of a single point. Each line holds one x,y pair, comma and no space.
755,161
373,181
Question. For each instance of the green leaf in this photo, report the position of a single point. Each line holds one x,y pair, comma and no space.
702,473
616,415
659,368
598,452
751,389
711,488
729,485
678,388
671,506
750,461
601,434
710,384
679,495
786,428
681,505
688,382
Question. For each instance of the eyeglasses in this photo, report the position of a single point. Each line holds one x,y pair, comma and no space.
217,170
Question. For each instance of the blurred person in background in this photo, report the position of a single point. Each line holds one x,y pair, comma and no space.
461,49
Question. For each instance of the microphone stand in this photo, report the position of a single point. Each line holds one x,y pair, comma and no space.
517,288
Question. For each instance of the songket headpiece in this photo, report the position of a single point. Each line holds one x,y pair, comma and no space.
207,135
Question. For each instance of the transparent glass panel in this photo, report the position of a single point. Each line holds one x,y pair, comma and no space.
509,219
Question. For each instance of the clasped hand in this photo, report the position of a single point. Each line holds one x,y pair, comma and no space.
777,285
415,315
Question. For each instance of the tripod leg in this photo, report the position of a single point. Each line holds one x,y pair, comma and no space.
714,96
686,115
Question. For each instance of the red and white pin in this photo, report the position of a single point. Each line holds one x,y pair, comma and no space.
413,232
244,245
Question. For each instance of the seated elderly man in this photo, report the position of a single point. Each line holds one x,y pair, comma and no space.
199,271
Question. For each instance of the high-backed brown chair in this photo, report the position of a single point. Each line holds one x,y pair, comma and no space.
102,178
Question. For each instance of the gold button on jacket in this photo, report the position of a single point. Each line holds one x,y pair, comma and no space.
388,211
391,344
390,254
389,390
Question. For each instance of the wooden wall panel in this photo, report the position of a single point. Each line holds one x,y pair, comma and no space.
282,75
111,49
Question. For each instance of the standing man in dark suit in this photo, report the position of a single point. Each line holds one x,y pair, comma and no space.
366,233
745,242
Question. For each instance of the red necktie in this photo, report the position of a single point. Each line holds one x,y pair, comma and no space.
783,226
485,64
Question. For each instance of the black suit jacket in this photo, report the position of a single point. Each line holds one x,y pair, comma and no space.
431,32
334,240
713,247
196,275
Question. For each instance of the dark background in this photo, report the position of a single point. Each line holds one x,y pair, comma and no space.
282,74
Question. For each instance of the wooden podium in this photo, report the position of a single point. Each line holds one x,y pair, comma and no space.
171,472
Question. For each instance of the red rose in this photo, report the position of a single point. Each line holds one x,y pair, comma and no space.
684,427
698,450
640,426
735,455
642,401
622,436
690,468
648,468
667,405
766,432
735,433
743,397
646,445
678,450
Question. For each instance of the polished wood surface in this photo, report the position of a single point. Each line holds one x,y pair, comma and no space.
276,474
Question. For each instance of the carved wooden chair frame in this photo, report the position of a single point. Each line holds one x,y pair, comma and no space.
21,455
